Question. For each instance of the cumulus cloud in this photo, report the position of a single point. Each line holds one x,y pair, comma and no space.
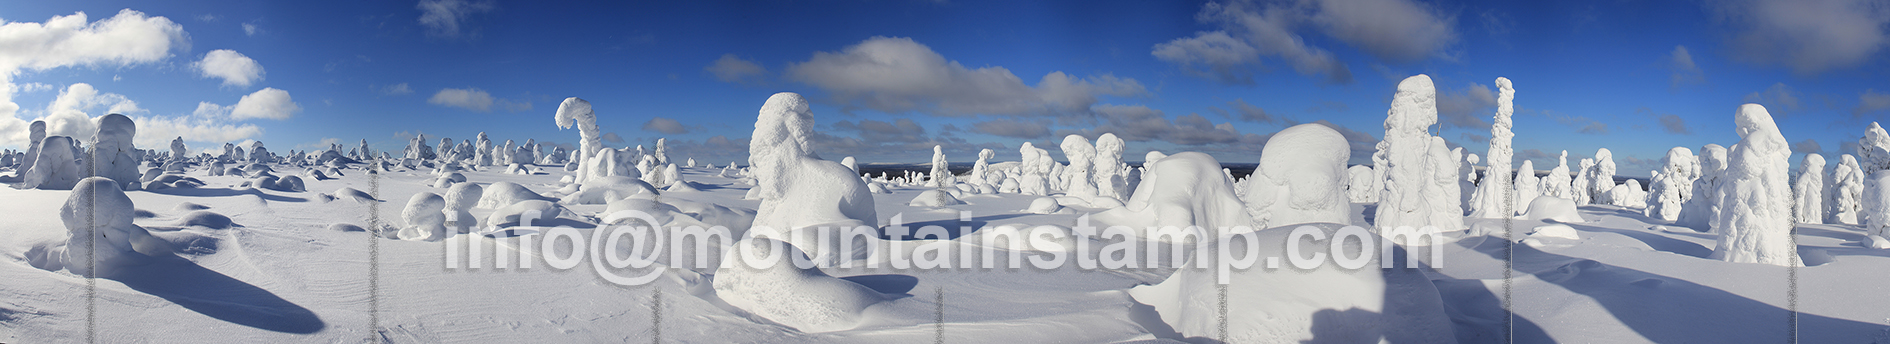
1871,101
1013,128
1684,70
270,103
899,75
1391,30
1141,123
1810,37
733,69
465,98
158,131
399,89
127,38
1779,99
665,125
234,68
1806,146
446,18
1467,107
71,113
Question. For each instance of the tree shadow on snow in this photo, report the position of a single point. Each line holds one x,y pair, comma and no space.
1658,242
218,192
219,296
889,284
953,227
1665,309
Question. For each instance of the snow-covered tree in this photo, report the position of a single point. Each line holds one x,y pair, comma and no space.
1494,197
1413,196
1754,223
1809,190
1674,184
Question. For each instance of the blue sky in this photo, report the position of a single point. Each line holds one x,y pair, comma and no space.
892,78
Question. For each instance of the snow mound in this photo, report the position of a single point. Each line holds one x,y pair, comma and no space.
1185,189
1024,237
345,227
112,155
1876,242
1289,305
764,281
425,219
205,219
356,195
187,206
604,189
521,214
102,240
1629,195
1555,231
460,199
1044,205
502,194
1554,208
796,187
934,199
1301,177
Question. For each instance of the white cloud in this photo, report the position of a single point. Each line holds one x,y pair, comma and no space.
35,87
128,38
1391,30
733,69
71,113
268,103
208,18
395,89
250,29
158,131
1779,99
466,98
1871,101
211,110
899,75
1684,70
444,18
1809,36
1466,108
665,125
231,66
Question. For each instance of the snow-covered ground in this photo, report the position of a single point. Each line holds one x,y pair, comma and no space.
282,272
477,243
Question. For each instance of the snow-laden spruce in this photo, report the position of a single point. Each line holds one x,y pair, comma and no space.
1077,179
1809,190
112,154
1601,178
1754,223
1673,186
1361,184
1527,185
1583,182
1559,183
941,176
577,112
1466,178
1494,196
1873,154
1108,169
1702,209
798,189
1414,195
1845,193
1301,178
1032,178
